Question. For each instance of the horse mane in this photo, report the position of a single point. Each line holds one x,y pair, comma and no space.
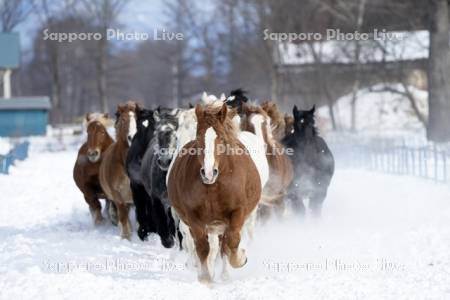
230,132
102,118
277,118
289,123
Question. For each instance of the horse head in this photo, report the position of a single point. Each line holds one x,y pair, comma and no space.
237,99
98,137
214,129
126,126
145,124
304,120
166,120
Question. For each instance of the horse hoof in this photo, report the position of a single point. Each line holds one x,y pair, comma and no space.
205,279
99,221
239,259
126,236
143,234
225,276
168,242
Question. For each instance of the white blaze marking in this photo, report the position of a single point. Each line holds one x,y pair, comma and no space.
209,160
132,128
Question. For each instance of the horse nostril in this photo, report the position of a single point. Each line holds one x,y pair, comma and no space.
95,153
130,138
215,172
202,172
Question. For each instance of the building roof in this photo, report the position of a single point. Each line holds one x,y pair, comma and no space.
25,103
9,50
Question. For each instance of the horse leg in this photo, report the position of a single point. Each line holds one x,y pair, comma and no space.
163,225
316,201
225,264
142,201
188,244
94,207
297,202
214,248
202,248
177,227
232,236
263,212
250,223
112,212
124,222
279,205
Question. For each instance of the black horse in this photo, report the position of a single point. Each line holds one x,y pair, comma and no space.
236,99
155,164
313,162
142,201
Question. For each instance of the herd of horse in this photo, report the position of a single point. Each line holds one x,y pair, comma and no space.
202,176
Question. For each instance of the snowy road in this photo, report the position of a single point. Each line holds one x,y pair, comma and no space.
380,237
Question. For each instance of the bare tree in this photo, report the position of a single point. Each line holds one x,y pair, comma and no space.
105,14
13,12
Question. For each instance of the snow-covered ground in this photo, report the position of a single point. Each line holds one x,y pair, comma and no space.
380,237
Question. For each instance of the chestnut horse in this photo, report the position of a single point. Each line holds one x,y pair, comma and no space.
214,191
113,175
281,171
87,165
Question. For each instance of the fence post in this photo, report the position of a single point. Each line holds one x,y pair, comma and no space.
435,158
444,166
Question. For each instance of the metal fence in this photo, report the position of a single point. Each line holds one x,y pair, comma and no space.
399,156
18,152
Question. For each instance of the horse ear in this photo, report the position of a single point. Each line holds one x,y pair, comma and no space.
222,114
156,115
313,109
223,97
106,115
205,98
120,108
137,107
191,105
198,111
295,111
87,117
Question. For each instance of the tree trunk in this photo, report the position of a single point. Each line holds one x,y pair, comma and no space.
438,129
101,73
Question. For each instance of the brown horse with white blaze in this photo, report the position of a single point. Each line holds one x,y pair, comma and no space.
87,165
214,191
113,176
